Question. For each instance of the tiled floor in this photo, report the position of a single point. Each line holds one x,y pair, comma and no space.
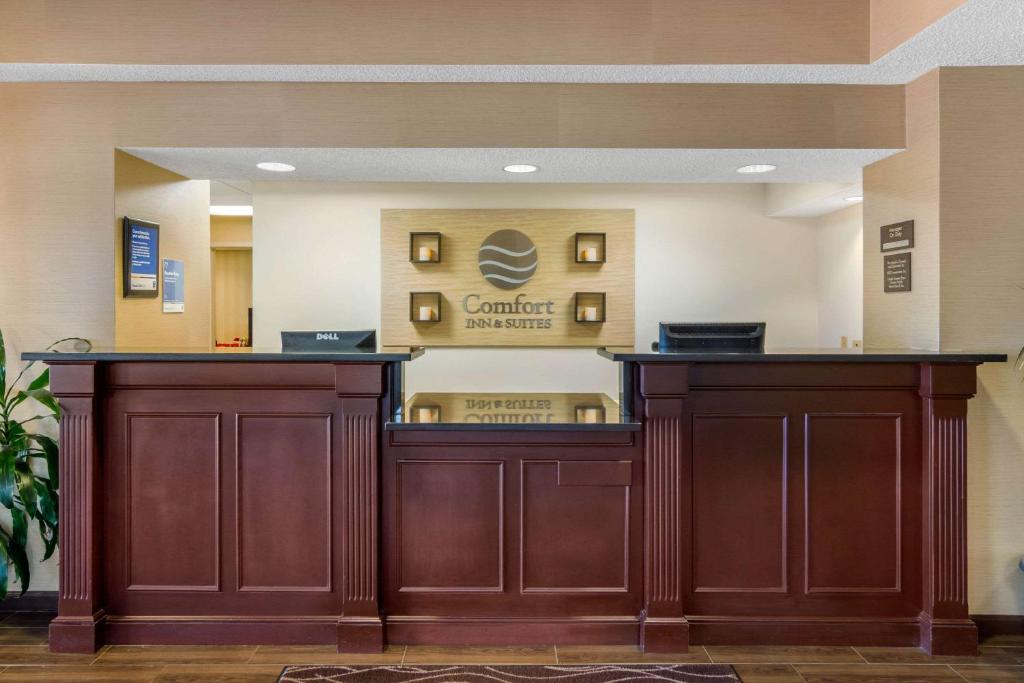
24,657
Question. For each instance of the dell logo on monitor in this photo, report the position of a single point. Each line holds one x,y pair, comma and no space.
327,336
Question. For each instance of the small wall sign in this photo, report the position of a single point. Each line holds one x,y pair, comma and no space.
898,236
174,286
140,258
897,272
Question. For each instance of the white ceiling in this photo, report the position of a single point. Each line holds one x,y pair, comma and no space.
980,32
485,165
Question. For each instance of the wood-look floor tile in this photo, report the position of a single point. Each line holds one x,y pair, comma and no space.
218,673
175,654
984,673
81,674
30,619
767,673
876,673
1016,652
322,654
24,636
1005,641
913,655
428,654
781,654
29,655
625,654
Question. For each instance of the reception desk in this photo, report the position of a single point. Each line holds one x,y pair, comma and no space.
779,498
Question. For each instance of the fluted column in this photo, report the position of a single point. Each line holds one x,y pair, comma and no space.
664,628
80,616
359,387
946,628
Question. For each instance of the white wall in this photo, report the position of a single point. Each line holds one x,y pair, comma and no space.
704,252
840,266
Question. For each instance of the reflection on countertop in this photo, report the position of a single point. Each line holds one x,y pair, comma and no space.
518,411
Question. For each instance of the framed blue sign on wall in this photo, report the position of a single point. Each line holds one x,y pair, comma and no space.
141,258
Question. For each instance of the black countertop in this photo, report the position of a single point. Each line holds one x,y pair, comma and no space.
227,354
804,356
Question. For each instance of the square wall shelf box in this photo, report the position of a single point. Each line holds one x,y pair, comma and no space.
590,247
589,307
424,307
425,247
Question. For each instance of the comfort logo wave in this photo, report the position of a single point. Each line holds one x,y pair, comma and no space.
507,259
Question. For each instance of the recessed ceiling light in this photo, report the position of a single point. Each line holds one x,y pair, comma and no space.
855,198
275,166
231,210
756,168
520,168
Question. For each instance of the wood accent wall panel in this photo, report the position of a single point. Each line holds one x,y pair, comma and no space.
556,279
853,503
894,22
740,472
232,293
173,501
284,522
560,552
458,506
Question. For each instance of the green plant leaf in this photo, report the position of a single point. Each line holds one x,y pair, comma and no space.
43,396
5,559
46,501
8,456
16,548
23,478
49,536
3,380
52,454
40,382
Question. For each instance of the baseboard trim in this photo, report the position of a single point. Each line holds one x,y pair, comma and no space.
426,630
992,625
31,601
877,631
223,630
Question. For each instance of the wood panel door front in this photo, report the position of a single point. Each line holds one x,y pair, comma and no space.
226,502
498,531
803,510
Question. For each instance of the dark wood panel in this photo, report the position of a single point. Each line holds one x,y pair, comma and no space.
563,550
852,479
227,375
173,501
595,473
739,503
284,489
450,525
842,376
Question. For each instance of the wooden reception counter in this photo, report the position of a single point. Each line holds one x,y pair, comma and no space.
782,498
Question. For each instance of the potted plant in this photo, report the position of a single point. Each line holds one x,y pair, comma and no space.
28,469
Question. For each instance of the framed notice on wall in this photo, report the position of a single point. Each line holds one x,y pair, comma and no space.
897,273
174,285
140,258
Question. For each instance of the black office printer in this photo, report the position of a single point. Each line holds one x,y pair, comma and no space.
710,338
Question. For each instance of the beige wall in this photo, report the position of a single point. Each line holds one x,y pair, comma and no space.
903,187
982,306
893,22
182,209
840,269
961,182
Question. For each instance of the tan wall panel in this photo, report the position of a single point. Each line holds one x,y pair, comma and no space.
982,267
182,208
435,32
556,279
906,187
232,293
894,22
231,231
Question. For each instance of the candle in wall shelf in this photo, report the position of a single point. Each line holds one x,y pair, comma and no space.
427,313
426,254
590,314
427,414
589,415
590,255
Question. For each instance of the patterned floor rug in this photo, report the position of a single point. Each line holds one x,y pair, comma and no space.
458,673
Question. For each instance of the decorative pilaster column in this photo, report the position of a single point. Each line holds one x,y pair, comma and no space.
946,628
666,441
80,615
360,387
